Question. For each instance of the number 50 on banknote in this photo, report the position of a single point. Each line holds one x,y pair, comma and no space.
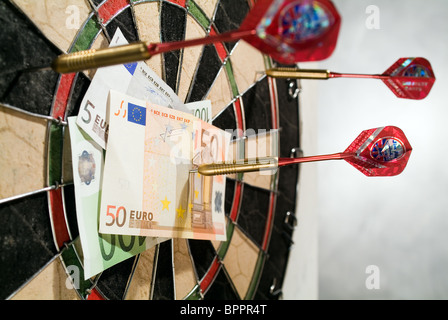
148,189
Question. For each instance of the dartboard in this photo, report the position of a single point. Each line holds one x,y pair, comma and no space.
40,255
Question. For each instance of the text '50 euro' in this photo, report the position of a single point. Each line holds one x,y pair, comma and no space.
148,189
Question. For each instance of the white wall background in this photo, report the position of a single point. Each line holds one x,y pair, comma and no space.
399,224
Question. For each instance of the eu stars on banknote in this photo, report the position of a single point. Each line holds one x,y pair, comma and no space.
136,114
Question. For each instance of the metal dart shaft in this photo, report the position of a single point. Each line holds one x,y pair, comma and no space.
261,164
95,58
238,166
317,74
293,73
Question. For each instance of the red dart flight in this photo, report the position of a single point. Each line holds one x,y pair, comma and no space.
381,151
293,31
410,78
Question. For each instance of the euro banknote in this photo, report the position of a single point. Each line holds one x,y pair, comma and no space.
100,251
148,188
201,109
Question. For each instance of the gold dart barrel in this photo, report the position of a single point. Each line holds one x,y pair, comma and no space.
293,73
239,166
93,58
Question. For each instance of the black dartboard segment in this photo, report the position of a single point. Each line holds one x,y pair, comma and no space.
113,281
222,288
124,21
203,254
252,218
226,119
173,23
26,241
206,73
164,283
31,91
258,111
42,228
229,15
70,209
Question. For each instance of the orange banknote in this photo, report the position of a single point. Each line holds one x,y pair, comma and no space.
148,187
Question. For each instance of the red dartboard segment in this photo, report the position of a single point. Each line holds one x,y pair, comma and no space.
110,8
220,49
269,220
410,78
381,151
181,3
62,95
95,295
236,201
294,31
57,218
210,275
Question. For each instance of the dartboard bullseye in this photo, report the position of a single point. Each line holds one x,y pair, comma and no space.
41,254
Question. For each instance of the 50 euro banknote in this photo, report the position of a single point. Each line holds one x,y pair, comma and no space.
148,188
99,251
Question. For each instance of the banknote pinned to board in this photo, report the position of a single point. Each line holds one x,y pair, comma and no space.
148,189
99,251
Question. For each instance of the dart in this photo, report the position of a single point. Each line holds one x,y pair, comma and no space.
408,78
380,151
289,31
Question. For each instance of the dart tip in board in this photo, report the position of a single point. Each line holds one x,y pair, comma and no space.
96,58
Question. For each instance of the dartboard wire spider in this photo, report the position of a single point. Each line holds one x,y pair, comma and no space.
58,120
56,184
